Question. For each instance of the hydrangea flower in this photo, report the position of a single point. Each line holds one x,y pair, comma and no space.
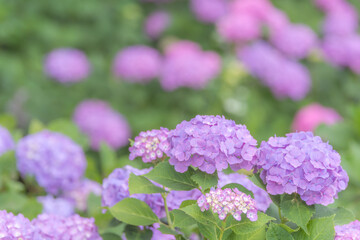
342,21
349,231
59,227
67,65
6,141
210,143
138,64
101,123
261,197
186,65
228,201
57,206
15,227
209,11
311,116
57,162
302,163
295,41
150,145
175,198
156,24
157,235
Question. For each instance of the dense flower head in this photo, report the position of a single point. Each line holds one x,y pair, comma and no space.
186,65
56,227
150,145
295,41
260,9
349,231
57,206
101,123
209,11
302,163
311,116
156,24
342,21
138,64
56,161
6,141
228,201
261,197
67,65
15,227
210,143
284,77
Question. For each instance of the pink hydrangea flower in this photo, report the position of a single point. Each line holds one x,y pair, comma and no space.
209,11
349,231
342,21
156,24
311,116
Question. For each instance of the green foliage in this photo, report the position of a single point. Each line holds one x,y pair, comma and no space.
108,159
140,184
342,215
204,180
181,219
245,226
318,229
275,232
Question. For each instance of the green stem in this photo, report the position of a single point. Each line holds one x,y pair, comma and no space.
164,195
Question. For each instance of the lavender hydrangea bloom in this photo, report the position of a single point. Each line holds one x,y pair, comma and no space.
57,206
175,198
341,21
150,145
59,227
55,160
15,227
261,197
209,11
295,41
349,231
157,235
210,143
156,24
302,163
101,123
67,65
6,141
138,64
181,60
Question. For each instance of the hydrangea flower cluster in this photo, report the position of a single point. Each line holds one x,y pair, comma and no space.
57,162
59,227
228,201
67,65
284,77
150,145
261,197
186,65
6,141
210,143
57,206
311,116
209,11
15,227
101,123
302,163
156,24
138,64
349,231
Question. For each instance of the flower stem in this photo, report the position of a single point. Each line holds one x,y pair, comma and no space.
164,195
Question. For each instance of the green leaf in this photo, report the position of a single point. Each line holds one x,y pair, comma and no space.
116,230
209,231
166,230
181,219
32,208
288,229
140,184
8,121
108,159
134,212
36,126
12,201
245,226
110,236
240,187
187,203
275,232
134,233
319,229
258,234
296,210
342,215
205,217
204,180
69,129
166,175
8,163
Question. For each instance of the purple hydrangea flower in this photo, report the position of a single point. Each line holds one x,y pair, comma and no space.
157,235
261,197
302,163
209,11
175,198
59,227
186,65
101,123
210,143
156,24
150,145
341,21
349,231
57,206
15,227
284,77
330,5
6,141
228,201
55,160
138,64
295,41
67,65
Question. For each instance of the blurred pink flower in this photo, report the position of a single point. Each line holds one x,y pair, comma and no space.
209,11
156,24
